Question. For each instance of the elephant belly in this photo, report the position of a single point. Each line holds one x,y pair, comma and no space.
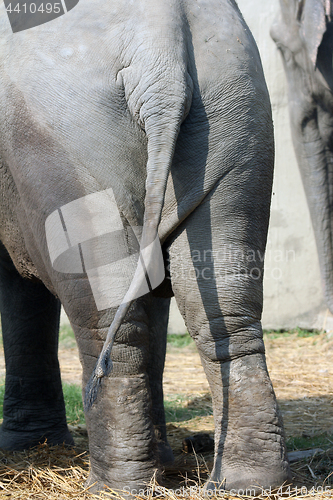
11,234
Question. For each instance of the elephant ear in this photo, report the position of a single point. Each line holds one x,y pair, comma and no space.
313,16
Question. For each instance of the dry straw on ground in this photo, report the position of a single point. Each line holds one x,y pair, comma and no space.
40,473
301,369
59,474
302,373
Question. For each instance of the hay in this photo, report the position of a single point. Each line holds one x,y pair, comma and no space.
183,373
59,473
71,369
301,370
43,472
56,473
46,472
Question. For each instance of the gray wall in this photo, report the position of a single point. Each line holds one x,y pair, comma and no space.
292,288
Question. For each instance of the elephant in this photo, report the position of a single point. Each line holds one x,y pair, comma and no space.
303,33
137,129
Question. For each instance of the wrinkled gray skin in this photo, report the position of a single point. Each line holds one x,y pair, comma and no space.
304,34
96,99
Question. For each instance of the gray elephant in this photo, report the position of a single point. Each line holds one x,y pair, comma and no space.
118,122
304,34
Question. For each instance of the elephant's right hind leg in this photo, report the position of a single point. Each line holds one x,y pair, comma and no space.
34,408
219,293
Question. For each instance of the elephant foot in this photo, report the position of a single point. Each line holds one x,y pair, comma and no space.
198,443
94,484
165,454
16,441
123,450
250,452
252,482
97,483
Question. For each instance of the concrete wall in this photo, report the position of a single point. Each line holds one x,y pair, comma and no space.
292,287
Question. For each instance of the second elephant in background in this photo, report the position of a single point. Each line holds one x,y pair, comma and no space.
303,33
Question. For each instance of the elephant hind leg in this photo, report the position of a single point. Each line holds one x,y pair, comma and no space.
158,315
120,423
217,282
34,408
249,439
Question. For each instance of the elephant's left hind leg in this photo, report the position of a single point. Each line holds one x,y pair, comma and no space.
34,408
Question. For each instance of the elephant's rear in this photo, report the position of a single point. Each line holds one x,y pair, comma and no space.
120,98
229,128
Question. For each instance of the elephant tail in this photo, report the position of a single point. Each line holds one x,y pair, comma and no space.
163,108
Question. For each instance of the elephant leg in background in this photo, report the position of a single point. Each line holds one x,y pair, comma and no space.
306,48
218,288
34,408
158,313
